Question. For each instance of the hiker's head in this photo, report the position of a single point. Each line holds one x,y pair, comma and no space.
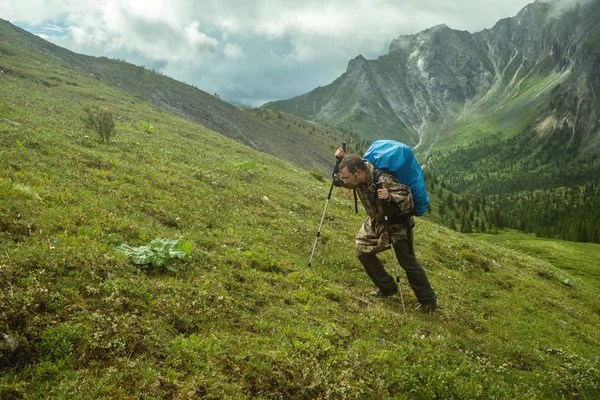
353,170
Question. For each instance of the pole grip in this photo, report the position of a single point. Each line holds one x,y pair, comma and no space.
337,165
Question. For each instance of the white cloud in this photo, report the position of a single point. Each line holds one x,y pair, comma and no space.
233,51
38,11
561,6
303,52
53,28
291,46
197,40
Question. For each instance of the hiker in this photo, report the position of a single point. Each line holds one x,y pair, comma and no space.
396,200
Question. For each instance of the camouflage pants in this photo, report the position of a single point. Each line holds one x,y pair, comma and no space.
372,238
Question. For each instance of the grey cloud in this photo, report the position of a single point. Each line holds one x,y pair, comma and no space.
253,52
266,74
559,7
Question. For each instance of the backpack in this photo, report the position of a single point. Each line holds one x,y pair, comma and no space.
399,160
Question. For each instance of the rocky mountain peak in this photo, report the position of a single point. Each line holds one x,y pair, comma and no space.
436,29
357,63
538,64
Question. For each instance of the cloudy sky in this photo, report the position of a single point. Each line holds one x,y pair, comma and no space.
247,52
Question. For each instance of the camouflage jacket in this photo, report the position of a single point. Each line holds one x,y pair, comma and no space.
372,236
398,207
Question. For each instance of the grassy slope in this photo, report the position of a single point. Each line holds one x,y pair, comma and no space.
510,118
579,259
276,133
243,317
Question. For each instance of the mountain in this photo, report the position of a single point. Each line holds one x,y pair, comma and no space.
539,69
243,316
307,145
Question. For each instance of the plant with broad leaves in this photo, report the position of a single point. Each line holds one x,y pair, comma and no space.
148,126
159,253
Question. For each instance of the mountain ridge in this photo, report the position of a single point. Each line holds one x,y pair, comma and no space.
276,135
432,79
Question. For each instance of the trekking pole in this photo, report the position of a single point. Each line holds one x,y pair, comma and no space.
379,185
335,171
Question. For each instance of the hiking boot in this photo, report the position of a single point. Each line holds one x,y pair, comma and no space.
380,293
427,308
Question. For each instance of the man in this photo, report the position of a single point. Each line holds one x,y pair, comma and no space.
395,200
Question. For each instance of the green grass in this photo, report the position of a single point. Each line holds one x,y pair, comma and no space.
307,145
578,259
243,316
465,132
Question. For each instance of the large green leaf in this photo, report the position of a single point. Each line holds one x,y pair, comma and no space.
159,253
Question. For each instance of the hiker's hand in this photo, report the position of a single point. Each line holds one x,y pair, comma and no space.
339,154
383,194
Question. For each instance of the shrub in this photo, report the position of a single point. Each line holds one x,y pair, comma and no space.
147,126
100,119
318,174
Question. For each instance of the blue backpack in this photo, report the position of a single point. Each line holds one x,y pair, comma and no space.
399,160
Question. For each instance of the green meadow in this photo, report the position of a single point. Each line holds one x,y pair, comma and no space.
578,259
243,316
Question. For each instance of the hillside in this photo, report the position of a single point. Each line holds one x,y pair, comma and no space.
579,259
242,316
273,133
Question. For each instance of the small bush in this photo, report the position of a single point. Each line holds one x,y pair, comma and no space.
475,260
100,119
247,165
318,174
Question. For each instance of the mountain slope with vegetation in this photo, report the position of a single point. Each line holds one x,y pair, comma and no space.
308,146
242,316
511,184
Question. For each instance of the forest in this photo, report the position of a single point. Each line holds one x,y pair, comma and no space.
541,185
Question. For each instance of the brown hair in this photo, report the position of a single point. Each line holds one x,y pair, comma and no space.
353,162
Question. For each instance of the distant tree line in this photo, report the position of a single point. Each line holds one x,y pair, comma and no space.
540,186
568,214
524,162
